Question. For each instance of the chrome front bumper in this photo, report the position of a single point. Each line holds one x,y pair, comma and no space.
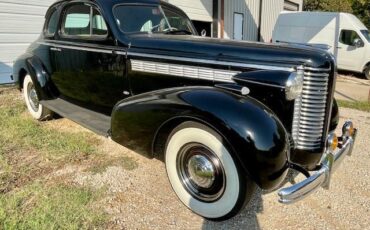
321,177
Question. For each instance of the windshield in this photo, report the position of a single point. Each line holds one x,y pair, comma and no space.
366,34
151,19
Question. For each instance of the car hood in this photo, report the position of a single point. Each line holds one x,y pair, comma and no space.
230,51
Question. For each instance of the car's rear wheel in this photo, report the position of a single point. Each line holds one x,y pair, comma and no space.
367,72
204,174
37,110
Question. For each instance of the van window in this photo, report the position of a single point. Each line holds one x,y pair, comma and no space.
52,24
366,34
348,37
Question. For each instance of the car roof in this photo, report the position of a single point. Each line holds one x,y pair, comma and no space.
116,1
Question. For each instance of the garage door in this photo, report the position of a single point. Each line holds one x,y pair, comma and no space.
20,23
198,10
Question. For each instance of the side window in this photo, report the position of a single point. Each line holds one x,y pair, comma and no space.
52,24
77,21
348,37
98,24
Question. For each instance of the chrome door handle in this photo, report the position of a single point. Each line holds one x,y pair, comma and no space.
55,49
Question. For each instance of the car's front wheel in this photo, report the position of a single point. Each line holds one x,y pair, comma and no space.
367,72
37,110
204,174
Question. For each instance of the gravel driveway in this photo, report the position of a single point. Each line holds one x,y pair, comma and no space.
143,198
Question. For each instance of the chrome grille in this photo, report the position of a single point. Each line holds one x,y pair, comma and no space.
310,110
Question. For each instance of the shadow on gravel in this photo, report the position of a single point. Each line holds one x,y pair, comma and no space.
353,74
245,220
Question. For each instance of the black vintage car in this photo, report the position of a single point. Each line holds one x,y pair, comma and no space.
224,116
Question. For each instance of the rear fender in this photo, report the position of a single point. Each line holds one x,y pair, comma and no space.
40,77
255,136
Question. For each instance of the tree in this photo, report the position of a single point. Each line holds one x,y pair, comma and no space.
362,10
315,5
328,5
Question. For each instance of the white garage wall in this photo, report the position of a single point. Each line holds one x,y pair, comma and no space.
21,23
271,10
199,10
250,11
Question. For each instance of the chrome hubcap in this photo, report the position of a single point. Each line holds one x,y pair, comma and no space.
32,98
201,172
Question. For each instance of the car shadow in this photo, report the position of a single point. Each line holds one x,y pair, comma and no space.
247,219
353,74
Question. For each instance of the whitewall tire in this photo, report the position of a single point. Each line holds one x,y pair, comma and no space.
37,110
203,173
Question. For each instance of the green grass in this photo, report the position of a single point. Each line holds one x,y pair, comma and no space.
29,152
20,131
56,207
358,105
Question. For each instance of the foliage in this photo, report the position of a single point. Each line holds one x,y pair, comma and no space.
360,8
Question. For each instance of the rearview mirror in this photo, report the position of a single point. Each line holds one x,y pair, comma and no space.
358,43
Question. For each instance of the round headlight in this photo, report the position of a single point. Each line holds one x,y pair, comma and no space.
294,85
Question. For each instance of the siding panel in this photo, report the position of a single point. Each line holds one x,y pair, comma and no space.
270,13
250,10
20,24
22,9
200,10
11,51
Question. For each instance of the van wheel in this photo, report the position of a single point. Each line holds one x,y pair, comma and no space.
367,72
204,175
37,110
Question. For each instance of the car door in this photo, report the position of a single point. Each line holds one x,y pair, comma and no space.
349,56
88,71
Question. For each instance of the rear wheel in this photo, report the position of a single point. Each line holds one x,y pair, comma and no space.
37,110
203,173
367,72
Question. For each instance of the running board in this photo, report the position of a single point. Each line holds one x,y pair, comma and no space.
96,122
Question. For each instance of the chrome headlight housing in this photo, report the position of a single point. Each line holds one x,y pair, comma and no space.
294,85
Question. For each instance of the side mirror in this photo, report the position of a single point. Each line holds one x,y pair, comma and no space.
358,43
203,33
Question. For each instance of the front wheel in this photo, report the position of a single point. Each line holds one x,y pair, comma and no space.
37,110
367,72
204,174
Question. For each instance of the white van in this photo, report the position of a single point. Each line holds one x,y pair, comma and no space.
341,33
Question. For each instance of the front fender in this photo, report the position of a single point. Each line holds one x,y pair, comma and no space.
254,135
